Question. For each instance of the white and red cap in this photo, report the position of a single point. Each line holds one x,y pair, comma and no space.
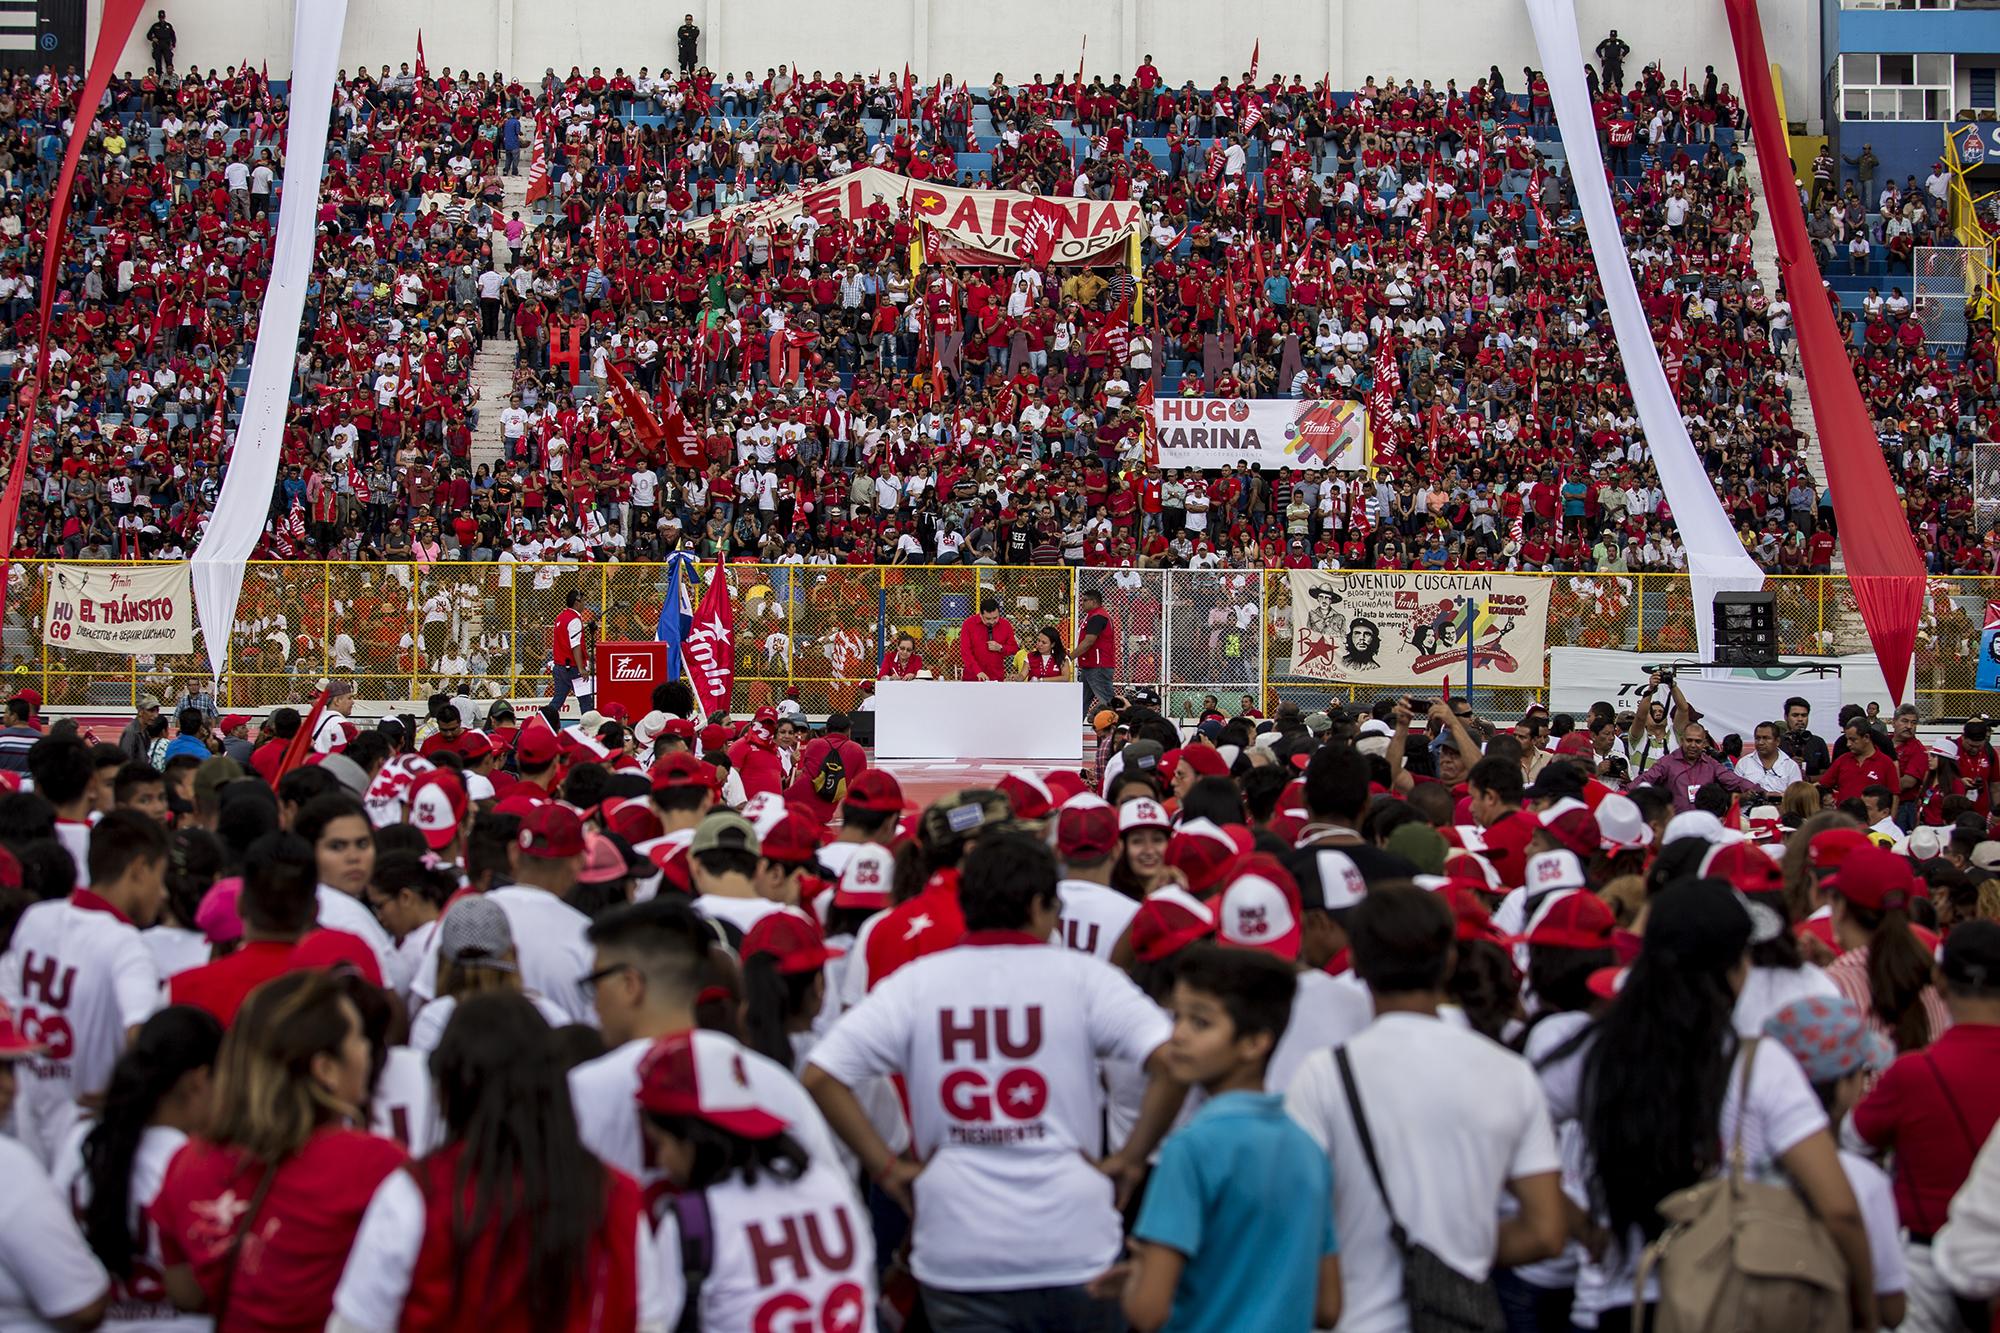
1086,829
1621,824
865,882
1168,921
1260,909
1205,851
1145,812
1341,883
438,803
1548,871
704,1075
1029,795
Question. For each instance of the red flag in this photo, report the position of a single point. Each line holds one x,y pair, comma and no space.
710,647
1326,95
300,745
1037,245
1382,396
1253,116
633,405
1079,75
909,90
114,30
1673,358
1255,47
683,445
421,70
218,423
538,174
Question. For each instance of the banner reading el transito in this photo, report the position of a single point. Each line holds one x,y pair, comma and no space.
1409,628
1272,432
133,609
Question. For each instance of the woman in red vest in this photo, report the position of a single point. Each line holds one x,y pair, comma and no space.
511,1226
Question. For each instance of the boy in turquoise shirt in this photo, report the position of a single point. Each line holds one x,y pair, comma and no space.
1236,1231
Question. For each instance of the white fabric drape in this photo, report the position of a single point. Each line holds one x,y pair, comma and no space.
245,499
1717,561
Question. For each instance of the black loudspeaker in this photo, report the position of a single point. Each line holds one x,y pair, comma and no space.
1746,629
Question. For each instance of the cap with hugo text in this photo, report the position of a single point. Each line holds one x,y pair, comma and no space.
1142,813
864,884
1260,908
437,807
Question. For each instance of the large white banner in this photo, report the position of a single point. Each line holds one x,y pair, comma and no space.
1717,561
132,609
1410,628
961,226
1732,699
240,510
1273,432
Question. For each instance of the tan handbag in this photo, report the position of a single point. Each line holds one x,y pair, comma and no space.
1742,1257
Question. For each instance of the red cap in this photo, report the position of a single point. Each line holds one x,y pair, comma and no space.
875,791
681,769
633,820
1473,920
1572,920
551,830
669,854
1574,829
793,840
537,745
765,714
1745,865
603,863
1873,879
792,938
1028,794
1086,830
1260,908
1168,921
437,807
1833,846
703,1074
679,728
1576,742
1206,761
1204,851
865,882
227,723
474,745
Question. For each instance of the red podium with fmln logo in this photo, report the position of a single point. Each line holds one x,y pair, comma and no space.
627,673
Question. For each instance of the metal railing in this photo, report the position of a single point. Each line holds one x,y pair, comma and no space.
403,631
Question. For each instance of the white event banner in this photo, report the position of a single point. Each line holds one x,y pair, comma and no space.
1274,433
137,610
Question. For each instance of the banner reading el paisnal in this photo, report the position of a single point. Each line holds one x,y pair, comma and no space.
1409,628
130,609
1273,432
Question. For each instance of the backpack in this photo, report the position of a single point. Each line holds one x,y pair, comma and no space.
1741,1256
830,782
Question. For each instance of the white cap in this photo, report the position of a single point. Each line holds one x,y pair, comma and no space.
1340,881
1143,813
1554,870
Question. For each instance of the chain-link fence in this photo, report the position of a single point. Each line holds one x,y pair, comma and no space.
1940,278
402,631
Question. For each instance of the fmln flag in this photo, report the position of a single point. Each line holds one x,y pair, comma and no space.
1988,675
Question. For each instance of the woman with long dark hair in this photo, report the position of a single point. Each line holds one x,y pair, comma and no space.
1883,966
158,1095
511,1224
280,1159
1660,1086
741,1173
784,985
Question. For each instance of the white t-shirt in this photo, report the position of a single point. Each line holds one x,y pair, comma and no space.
140,1302
376,1281
1326,1011
741,913
176,949
427,1028
1783,1112
999,1045
605,1094
1768,989
404,1108
783,1251
1454,1117
344,911
76,978
549,945
1094,917
46,1268
1877,1198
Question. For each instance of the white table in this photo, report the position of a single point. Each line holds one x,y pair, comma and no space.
954,719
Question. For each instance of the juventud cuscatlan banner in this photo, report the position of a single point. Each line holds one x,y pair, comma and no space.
1273,432
1409,628
134,609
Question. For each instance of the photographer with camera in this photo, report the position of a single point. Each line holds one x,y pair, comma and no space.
1800,742
1656,722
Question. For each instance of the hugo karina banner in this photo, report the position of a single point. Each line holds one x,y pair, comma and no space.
1273,432
960,226
134,610
1409,628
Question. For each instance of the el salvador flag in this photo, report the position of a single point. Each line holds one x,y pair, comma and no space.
675,609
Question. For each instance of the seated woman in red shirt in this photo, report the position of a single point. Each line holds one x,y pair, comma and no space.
279,1160
556,1236
1046,658
902,662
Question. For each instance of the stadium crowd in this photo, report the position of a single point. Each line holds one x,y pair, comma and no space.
1322,1021
1412,246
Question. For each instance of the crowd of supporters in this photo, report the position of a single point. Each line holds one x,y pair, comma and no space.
839,408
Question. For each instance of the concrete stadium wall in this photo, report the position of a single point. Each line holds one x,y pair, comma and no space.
1200,39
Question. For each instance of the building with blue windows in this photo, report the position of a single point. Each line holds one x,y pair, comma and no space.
1897,73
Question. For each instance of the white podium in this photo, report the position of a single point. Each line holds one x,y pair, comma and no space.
1038,720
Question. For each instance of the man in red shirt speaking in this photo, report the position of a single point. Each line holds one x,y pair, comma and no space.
1863,765
986,644
1096,651
569,650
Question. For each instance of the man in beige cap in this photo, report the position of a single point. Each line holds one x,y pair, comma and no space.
138,735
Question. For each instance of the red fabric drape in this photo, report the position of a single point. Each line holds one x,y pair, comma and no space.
1882,560
120,17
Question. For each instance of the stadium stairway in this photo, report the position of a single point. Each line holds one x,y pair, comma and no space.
493,368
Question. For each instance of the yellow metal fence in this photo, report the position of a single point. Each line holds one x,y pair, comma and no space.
403,631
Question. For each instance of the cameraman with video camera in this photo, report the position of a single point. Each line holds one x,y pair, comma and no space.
1799,741
1655,722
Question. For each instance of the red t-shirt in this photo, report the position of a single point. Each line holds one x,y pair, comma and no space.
221,987
1935,1108
287,1269
929,923
1849,776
